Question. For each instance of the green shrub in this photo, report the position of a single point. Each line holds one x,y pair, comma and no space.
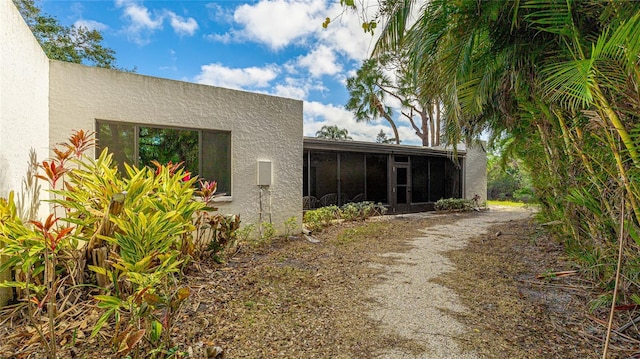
290,225
129,233
317,219
454,204
267,231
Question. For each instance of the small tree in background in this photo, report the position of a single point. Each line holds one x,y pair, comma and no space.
333,133
382,137
66,43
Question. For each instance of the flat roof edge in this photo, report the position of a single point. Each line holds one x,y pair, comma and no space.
312,143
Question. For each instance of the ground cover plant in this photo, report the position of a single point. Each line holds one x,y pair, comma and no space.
117,240
556,84
317,219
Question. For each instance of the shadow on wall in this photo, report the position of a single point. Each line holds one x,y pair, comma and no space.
5,293
4,190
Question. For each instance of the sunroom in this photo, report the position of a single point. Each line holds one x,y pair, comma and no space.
403,178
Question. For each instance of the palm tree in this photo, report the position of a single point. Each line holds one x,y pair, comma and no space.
558,80
366,95
333,133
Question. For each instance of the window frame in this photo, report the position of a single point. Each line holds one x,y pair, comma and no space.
136,146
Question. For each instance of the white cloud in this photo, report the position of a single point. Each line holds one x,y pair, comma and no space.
238,78
218,14
297,88
317,114
91,25
345,34
142,23
181,25
222,38
290,91
278,23
320,61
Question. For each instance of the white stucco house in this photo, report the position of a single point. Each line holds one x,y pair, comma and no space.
42,101
241,139
252,144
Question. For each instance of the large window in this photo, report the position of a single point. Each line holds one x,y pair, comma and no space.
203,152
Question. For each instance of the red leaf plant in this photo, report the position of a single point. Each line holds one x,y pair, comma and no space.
52,236
53,171
80,141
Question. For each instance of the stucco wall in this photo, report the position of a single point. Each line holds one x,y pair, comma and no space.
262,127
475,172
24,91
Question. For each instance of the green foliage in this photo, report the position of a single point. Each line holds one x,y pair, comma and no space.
317,219
367,93
454,204
245,233
130,234
361,210
71,44
382,137
333,133
290,225
556,84
217,232
508,180
267,231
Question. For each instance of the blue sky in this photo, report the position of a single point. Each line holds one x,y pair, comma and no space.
276,47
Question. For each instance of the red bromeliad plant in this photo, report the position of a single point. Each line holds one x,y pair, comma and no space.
129,232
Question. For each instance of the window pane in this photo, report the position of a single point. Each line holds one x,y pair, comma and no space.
437,179
419,179
324,177
120,139
453,180
305,174
216,159
168,145
377,178
351,177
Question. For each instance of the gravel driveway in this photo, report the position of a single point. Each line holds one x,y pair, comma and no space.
409,304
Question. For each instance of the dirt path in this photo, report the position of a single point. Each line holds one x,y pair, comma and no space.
410,304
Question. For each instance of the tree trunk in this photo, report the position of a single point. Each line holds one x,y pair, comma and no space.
435,133
427,125
395,129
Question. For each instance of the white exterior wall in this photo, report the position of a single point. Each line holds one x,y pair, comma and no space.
475,173
262,127
24,93
24,111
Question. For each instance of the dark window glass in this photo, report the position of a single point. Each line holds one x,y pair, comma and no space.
169,145
216,159
351,177
121,141
376,178
452,179
204,153
437,177
419,179
324,177
401,184
305,174
401,159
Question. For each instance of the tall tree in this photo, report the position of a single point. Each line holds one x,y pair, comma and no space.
383,138
333,133
419,103
66,43
556,80
367,97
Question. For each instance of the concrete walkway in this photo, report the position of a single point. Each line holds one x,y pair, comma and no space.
411,305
